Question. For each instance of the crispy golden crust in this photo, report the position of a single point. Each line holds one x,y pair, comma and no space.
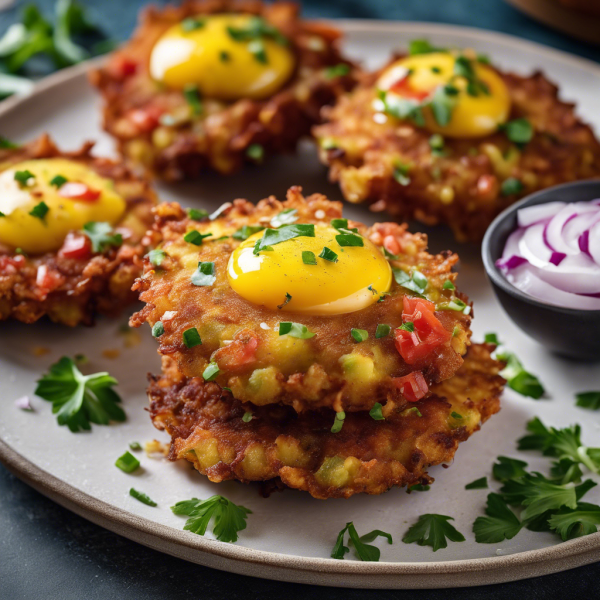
368,456
218,138
463,188
80,288
328,370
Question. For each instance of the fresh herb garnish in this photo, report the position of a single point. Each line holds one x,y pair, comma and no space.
191,337
456,415
5,143
135,446
413,410
79,399
401,171
195,237
328,255
337,71
255,152
58,181
436,143
401,108
224,56
382,331
376,412
308,257
296,330
127,462
142,497
247,417
589,400
101,235
204,274
288,297
574,523
359,335
423,47
243,233
197,214
418,487
192,96
283,234
415,282
258,50
364,550
40,210
211,371
508,468
518,131
443,103
285,217
339,223
408,326
158,329
500,523
491,338
448,285
257,28
192,23
478,484
511,186
349,238
517,378
156,257
338,422
433,530
228,518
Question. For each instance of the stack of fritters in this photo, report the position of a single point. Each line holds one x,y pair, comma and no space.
254,403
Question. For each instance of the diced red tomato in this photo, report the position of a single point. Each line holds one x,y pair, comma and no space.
412,386
240,352
403,88
77,246
78,191
428,332
11,264
48,279
145,119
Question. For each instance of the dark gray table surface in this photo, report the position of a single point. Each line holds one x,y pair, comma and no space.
48,553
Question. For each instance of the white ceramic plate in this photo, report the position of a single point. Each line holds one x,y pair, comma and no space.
290,535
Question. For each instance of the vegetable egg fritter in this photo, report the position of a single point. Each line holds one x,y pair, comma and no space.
290,303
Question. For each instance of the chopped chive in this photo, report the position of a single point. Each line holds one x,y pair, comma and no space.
191,337
39,211
337,71
419,487
156,257
491,338
204,274
408,326
448,285
128,463
158,329
436,143
412,410
255,152
211,371
455,415
339,223
192,23
359,335
456,331
590,400
478,484
23,177
192,96
338,422
135,446
243,233
58,181
376,413
511,186
285,217
349,239
417,282
401,172
308,257
142,497
296,330
382,331
197,214
247,417
518,131
195,237
329,255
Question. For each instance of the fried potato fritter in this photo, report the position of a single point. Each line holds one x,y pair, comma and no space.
207,427
463,184
157,128
257,363
73,290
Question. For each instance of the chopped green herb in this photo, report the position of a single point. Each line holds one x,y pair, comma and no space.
127,462
455,415
247,417
308,257
285,217
433,530
288,297
448,285
456,331
500,523
376,412
363,549
518,131
463,67
422,47
158,329
337,71
565,470
338,422
283,234
401,108
191,337
518,378
401,172
296,330
255,152
511,186
23,177
79,399
359,335
5,143
413,410
2,214
416,282
192,24
195,237
478,484
258,50
382,331
204,274
40,210
491,338
243,233
156,257
228,518
142,497
224,56
329,255
192,96
508,468
443,103
436,70
211,372
339,223
574,523
419,487
101,235
436,143
135,446
408,326
455,304
58,181
197,214
349,238
589,400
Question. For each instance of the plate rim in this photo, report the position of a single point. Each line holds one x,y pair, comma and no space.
322,571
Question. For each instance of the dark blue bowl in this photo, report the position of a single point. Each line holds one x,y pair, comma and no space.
567,331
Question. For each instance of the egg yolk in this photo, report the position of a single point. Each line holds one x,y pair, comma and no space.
226,56
477,107
352,283
84,197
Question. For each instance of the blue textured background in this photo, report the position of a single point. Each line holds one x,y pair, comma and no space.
118,17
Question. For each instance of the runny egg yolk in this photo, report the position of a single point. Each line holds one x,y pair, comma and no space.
355,281
477,107
91,198
226,56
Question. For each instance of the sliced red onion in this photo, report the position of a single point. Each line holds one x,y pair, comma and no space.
23,403
554,254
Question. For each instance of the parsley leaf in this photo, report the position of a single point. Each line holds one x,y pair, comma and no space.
364,550
573,523
589,400
156,257
517,378
204,274
191,93
422,47
328,255
40,210
283,234
432,530
101,235
478,484
228,518
296,330
195,237
501,523
79,399
416,282
376,413
508,468
285,217
349,238
308,257
243,233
